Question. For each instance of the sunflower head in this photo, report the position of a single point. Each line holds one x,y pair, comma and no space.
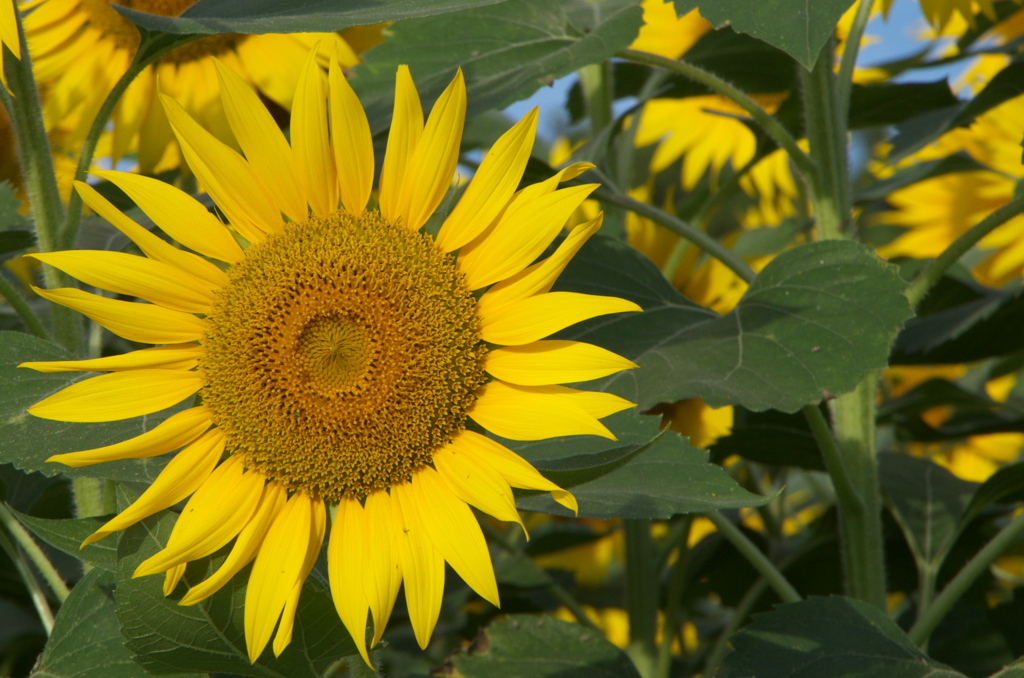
341,353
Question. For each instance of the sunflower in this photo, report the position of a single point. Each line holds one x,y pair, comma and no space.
80,48
340,356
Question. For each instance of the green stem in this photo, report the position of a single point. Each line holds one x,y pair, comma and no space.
90,497
675,598
26,314
860,524
931,273
36,164
607,193
846,493
926,576
769,124
596,80
35,554
826,134
760,561
641,596
35,589
850,51
956,588
739,614
151,48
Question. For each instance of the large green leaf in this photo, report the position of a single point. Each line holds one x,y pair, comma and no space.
506,51
287,16
662,480
827,638
67,535
29,441
167,637
538,646
799,27
770,438
86,641
815,320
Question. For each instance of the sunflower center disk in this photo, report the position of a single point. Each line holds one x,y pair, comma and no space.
116,27
343,352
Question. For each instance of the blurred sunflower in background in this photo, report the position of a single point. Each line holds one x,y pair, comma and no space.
8,34
81,48
341,355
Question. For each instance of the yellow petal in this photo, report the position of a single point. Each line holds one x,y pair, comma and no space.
119,395
214,515
521,235
316,539
406,129
152,246
310,144
422,564
516,470
176,431
246,545
122,273
527,320
9,28
145,323
553,362
176,357
538,278
346,561
182,476
178,214
432,165
225,175
277,568
265,147
455,533
522,413
476,484
173,577
383,575
492,186
353,145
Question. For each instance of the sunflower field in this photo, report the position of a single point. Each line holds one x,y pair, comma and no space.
512,338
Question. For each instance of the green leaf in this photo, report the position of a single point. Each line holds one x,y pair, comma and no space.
889,103
827,638
506,51
30,441
286,16
927,501
816,319
668,478
86,641
12,241
1005,486
209,636
10,216
798,27
771,438
538,646
67,535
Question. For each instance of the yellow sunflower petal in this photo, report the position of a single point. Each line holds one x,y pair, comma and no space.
522,413
353,145
179,357
182,476
173,577
262,141
553,362
213,516
346,561
422,564
119,395
527,320
135,276
145,323
310,145
406,130
476,484
277,568
492,186
9,28
383,575
178,214
516,470
431,167
176,431
316,539
151,245
538,278
246,545
224,174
